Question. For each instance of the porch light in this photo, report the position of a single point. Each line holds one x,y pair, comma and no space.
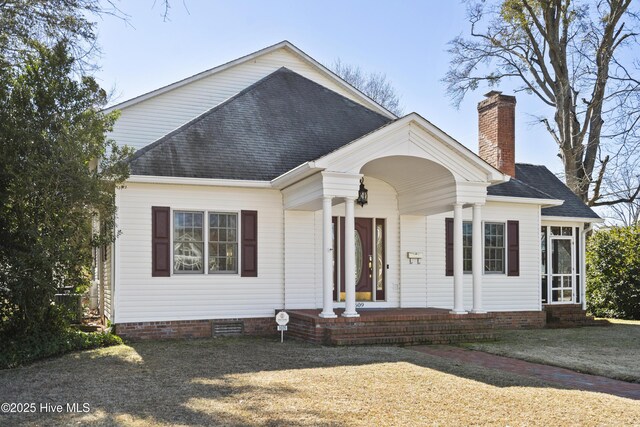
363,194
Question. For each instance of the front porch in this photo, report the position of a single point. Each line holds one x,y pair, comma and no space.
406,326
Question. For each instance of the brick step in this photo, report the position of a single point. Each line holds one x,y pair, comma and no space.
570,316
380,323
583,322
408,330
413,339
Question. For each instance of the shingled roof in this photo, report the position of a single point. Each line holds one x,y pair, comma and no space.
517,188
262,132
542,178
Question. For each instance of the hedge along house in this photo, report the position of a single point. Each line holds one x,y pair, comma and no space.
269,183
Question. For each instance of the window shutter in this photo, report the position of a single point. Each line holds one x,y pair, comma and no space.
249,245
513,248
160,241
448,226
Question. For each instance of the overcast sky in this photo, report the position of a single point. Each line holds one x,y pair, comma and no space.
406,40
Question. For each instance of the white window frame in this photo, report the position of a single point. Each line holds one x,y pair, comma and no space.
206,271
549,274
208,241
504,249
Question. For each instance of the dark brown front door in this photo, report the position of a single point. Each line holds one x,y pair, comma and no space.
363,236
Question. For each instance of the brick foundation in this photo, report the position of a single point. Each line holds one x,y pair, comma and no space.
519,319
259,326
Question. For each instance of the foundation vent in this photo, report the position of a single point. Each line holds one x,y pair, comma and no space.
227,328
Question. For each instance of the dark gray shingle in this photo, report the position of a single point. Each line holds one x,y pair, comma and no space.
543,181
264,131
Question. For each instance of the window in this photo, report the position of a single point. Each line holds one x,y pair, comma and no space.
501,247
494,239
189,237
223,242
467,232
188,242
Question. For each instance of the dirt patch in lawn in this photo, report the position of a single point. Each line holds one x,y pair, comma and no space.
260,382
612,351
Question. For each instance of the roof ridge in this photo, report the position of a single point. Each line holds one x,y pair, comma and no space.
210,111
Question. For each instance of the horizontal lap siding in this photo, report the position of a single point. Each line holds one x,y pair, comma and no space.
141,297
300,264
413,278
107,278
145,122
500,292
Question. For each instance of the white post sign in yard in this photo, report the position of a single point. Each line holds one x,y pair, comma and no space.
282,319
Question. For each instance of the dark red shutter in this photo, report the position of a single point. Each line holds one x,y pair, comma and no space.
160,241
513,248
448,228
249,245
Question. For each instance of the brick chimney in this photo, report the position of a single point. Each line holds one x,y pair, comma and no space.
496,131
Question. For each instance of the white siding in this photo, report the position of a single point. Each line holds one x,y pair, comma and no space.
106,281
300,260
500,292
149,120
141,297
413,277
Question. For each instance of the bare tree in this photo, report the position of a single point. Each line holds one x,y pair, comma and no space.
574,56
625,185
374,85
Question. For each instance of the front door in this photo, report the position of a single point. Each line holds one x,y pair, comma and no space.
364,259
363,235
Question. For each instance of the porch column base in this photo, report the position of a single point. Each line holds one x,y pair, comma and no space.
324,315
457,312
350,315
478,311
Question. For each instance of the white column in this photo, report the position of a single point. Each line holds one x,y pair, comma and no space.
349,259
476,254
458,301
327,260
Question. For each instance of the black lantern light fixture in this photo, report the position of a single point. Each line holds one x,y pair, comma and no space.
363,194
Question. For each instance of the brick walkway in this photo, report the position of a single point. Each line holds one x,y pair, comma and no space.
563,377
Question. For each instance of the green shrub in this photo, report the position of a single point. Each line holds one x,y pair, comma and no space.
613,273
28,348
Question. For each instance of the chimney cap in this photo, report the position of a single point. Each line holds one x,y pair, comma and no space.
492,93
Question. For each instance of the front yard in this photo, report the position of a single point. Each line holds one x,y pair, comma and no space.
260,382
612,351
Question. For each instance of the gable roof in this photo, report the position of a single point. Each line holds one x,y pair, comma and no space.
539,177
262,132
285,44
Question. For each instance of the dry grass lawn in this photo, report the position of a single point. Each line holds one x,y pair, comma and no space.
612,351
260,382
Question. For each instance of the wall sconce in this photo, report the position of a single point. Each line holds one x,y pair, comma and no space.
363,194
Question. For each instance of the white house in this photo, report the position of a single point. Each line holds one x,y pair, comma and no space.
246,196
